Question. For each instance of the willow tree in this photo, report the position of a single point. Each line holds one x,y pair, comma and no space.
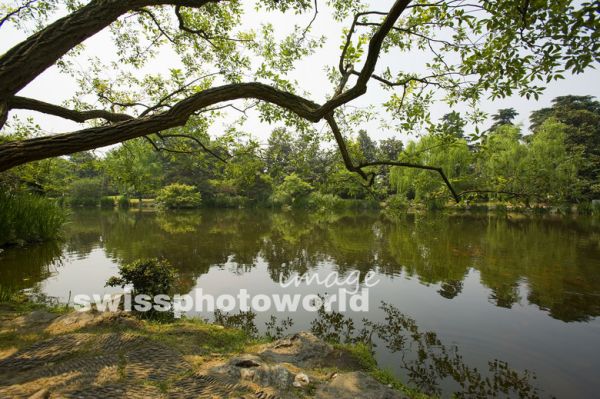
474,48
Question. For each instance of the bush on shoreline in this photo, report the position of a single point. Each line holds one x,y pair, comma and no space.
179,196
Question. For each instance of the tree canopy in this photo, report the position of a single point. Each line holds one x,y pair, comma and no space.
472,49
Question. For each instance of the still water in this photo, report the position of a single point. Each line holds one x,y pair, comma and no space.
470,305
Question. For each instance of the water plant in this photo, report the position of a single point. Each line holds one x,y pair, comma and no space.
26,218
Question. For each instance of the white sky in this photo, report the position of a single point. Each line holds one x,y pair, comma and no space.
53,87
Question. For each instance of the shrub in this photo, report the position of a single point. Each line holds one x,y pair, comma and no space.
222,200
397,202
124,202
29,218
149,277
588,208
179,196
293,192
107,202
435,204
86,192
320,201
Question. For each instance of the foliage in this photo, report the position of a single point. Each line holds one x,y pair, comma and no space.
85,192
179,196
319,201
397,202
134,168
28,218
107,202
580,116
150,277
504,116
124,202
147,276
452,155
557,162
293,191
549,167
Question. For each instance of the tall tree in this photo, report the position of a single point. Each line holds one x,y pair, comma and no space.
580,116
504,116
453,125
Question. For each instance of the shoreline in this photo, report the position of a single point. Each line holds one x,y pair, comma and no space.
57,352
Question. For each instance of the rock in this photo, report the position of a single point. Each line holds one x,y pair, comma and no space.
306,350
276,376
253,368
247,374
76,320
302,349
34,318
41,394
356,385
301,380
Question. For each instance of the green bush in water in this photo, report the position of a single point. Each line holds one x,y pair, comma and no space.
588,208
179,196
320,201
107,202
28,217
124,202
222,200
148,277
397,202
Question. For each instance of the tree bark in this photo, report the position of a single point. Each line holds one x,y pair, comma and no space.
28,59
19,152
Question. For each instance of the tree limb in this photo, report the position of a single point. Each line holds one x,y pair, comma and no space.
18,152
28,59
31,104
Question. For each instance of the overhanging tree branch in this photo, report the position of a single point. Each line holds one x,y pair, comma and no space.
31,104
67,32
28,59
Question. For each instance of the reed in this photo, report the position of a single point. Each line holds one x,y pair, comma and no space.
26,218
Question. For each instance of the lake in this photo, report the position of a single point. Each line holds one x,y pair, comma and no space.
471,304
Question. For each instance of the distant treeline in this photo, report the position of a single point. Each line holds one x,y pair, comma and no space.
556,162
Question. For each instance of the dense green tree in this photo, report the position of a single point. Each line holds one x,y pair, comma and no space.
85,164
134,168
293,191
390,148
501,160
504,116
425,185
280,154
549,167
368,148
580,116
453,125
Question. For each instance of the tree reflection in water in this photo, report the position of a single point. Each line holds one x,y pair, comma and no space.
425,361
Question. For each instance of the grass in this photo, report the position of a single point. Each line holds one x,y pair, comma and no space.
363,356
26,218
198,341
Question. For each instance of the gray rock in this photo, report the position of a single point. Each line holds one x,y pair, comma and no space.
35,318
302,349
356,385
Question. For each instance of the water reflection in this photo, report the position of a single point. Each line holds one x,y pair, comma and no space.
426,361
556,259
521,289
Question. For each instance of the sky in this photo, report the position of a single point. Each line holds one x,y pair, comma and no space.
53,87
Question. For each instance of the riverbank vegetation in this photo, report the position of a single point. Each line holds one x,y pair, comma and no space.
27,218
556,163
